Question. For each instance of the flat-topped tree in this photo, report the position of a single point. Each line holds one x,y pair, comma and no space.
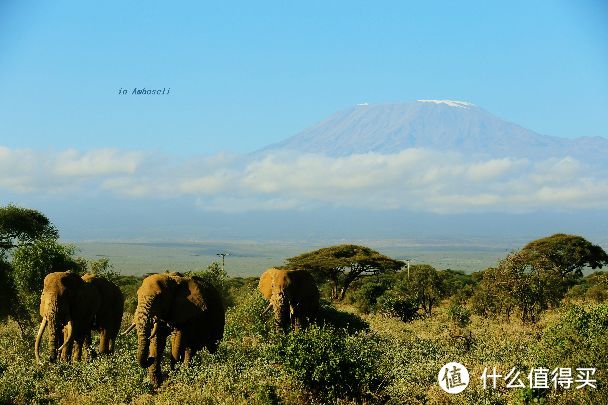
343,264
566,254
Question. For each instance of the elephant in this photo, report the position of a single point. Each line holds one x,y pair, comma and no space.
293,295
109,314
68,306
188,308
71,306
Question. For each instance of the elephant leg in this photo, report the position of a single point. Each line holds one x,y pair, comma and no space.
80,339
305,321
104,342
294,318
66,351
301,319
77,352
188,354
177,351
112,338
111,344
157,347
89,352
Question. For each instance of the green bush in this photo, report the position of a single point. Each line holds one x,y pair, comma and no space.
350,323
403,307
333,365
598,293
245,320
365,297
578,339
217,277
459,314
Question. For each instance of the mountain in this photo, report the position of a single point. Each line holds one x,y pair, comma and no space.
434,124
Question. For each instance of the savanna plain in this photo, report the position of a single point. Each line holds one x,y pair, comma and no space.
382,340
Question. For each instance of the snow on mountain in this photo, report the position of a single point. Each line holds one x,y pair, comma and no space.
451,103
445,125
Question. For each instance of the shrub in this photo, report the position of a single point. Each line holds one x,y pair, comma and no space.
578,339
366,296
334,365
403,307
350,323
32,262
459,314
217,277
246,319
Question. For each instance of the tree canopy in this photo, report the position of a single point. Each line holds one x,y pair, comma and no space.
343,264
536,277
567,254
31,239
23,225
425,285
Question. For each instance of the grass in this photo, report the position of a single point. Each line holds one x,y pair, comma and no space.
387,361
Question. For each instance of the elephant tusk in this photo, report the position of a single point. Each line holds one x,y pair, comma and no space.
154,330
267,309
129,329
68,339
38,337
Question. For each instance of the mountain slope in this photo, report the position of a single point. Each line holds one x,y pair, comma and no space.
435,124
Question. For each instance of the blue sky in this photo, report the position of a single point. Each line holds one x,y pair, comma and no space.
246,74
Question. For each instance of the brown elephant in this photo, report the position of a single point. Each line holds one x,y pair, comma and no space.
72,306
108,316
68,306
188,308
293,295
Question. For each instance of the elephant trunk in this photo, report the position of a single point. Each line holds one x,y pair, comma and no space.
144,324
55,332
38,338
54,312
280,305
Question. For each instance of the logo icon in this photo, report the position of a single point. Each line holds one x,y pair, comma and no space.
453,378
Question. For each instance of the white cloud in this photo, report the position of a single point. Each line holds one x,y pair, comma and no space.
72,163
414,179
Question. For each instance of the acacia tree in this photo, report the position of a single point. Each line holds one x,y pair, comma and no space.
519,283
343,264
507,287
425,285
566,254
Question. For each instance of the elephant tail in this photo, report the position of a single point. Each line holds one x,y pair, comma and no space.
38,337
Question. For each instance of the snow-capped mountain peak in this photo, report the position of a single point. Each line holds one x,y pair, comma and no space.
445,125
451,103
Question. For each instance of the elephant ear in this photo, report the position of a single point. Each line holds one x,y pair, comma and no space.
183,309
71,281
71,285
85,302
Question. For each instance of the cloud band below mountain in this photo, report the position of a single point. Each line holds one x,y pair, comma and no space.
414,179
